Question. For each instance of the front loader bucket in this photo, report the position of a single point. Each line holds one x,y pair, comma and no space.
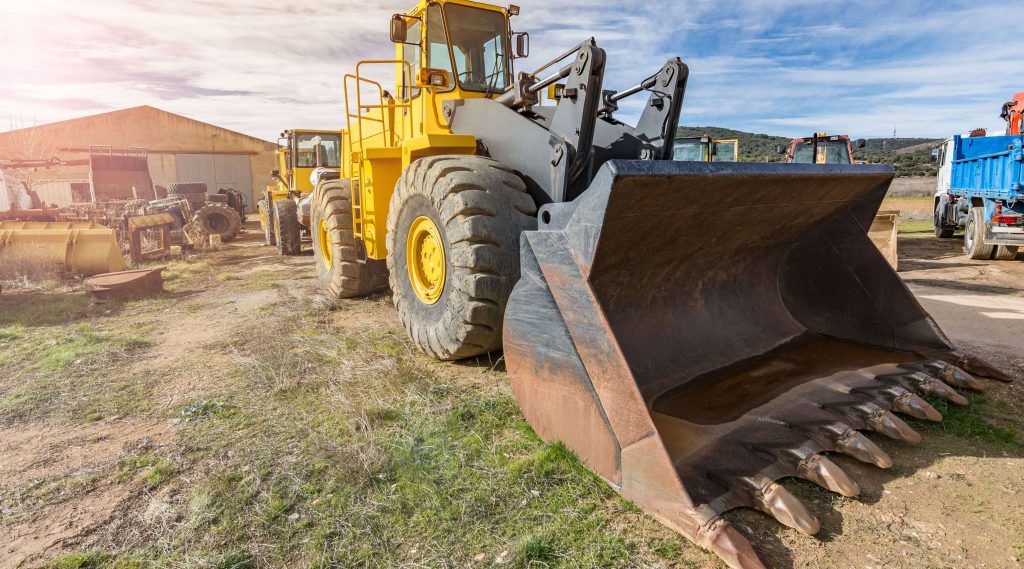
85,248
883,231
695,332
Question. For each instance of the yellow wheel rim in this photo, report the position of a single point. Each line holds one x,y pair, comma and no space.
324,239
264,222
424,255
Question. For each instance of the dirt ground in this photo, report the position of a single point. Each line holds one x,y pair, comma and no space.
107,458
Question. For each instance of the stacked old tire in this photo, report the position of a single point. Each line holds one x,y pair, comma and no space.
192,192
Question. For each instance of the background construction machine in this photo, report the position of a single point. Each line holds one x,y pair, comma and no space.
822,148
303,159
688,363
980,189
705,149
1013,114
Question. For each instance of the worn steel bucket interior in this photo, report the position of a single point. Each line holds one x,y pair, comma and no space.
696,331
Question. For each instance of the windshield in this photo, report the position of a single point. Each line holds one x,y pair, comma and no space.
329,148
689,151
725,151
479,48
829,152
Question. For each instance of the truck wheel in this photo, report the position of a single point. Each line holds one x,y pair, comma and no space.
265,225
219,219
453,251
287,232
1005,253
974,236
942,230
341,263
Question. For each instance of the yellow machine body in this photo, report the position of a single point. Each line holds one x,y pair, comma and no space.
85,248
299,152
388,130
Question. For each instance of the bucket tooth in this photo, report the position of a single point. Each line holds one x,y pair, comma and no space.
828,475
954,376
910,404
727,542
979,366
936,388
884,422
854,443
771,498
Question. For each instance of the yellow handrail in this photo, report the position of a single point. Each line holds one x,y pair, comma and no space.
387,131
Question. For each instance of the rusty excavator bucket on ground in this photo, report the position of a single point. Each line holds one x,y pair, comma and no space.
696,332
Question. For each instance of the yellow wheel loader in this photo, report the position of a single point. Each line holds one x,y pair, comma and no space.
304,158
705,149
691,359
822,148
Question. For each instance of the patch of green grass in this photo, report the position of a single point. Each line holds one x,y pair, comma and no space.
223,277
84,341
202,409
12,332
160,472
45,309
972,422
181,270
85,560
47,364
915,227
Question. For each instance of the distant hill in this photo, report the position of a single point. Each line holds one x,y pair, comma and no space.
909,156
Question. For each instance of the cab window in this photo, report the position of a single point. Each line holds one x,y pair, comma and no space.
438,56
411,55
479,45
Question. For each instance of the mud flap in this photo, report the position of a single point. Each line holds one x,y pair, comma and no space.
695,332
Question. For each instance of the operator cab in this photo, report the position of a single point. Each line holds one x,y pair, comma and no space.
315,150
465,47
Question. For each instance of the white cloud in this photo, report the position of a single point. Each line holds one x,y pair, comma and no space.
783,66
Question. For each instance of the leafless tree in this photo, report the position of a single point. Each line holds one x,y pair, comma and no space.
26,144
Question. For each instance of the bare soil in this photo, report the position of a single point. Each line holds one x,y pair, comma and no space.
954,501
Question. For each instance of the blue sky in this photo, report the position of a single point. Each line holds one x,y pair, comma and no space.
787,67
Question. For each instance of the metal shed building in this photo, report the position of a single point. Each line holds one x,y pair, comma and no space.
179,149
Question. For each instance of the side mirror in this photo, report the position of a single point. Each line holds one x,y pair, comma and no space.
935,155
275,174
522,45
860,143
780,149
399,29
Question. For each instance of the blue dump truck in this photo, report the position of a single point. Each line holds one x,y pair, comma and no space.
981,191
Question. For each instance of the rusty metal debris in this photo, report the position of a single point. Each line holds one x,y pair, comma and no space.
126,285
747,352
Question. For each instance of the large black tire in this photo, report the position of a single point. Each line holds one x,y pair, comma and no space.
265,224
193,192
974,236
218,219
287,232
480,208
942,231
341,263
1005,253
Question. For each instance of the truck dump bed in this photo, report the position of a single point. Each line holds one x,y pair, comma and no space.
988,167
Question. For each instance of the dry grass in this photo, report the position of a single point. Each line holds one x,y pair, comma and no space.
28,268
